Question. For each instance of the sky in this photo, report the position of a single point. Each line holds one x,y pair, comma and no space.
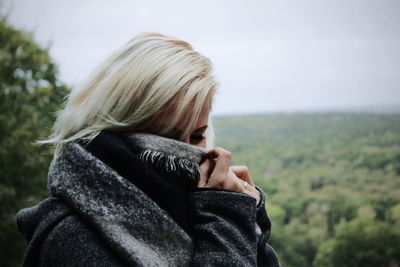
268,56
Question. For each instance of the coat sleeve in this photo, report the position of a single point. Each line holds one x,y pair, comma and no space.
224,230
266,256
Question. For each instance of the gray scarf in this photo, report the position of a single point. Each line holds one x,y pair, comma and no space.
123,215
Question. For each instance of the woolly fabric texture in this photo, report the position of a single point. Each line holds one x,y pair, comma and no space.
110,202
96,217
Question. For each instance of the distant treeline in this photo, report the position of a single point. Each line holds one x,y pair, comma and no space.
332,182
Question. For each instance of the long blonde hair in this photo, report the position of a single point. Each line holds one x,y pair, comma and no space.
152,79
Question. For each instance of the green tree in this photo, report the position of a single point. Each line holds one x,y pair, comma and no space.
361,243
30,93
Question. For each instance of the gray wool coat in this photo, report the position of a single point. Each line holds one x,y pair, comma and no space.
97,217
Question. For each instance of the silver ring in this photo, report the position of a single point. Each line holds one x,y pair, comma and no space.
245,184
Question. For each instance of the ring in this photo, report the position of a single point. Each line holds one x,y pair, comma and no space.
245,184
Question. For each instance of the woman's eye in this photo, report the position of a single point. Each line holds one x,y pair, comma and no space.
196,138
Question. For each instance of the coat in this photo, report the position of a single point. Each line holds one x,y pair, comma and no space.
131,200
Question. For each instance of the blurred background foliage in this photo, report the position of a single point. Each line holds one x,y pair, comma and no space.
30,94
332,180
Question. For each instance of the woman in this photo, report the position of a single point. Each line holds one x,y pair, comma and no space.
132,183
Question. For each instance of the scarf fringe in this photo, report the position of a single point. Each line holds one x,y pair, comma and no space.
171,164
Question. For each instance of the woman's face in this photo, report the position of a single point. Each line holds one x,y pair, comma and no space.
197,137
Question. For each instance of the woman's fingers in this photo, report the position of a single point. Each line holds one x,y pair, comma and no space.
204,169
248,188
219,175
216,172
243,173
244,178
223,158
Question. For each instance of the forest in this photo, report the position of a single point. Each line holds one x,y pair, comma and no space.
331,179
332,182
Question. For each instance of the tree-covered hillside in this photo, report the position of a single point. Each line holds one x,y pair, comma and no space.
332,182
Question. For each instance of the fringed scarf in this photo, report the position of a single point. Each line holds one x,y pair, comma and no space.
134,190
164,169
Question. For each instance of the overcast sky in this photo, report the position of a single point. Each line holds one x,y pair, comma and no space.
268,56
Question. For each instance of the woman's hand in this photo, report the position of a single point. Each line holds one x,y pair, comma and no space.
216,172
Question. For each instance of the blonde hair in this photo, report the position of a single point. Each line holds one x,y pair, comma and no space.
152,84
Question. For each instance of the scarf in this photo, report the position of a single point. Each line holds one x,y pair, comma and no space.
123,182
165,169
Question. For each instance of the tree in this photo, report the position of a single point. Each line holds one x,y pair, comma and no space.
30,93
361,243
